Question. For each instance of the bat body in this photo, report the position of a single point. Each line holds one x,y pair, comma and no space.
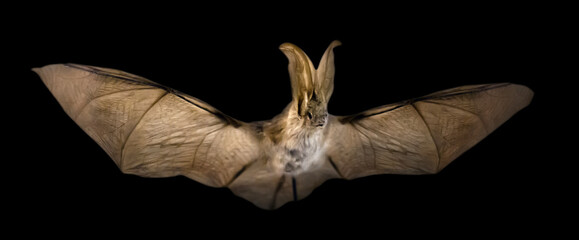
152,130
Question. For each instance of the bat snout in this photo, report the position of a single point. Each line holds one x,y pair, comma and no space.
319,122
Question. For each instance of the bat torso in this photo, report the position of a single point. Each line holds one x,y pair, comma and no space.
292,147
299,152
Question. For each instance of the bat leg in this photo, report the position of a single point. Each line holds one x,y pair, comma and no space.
294,188
277,189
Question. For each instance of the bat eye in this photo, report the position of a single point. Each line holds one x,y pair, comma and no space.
309,115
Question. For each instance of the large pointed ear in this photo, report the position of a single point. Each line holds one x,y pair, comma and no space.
324,80
301,72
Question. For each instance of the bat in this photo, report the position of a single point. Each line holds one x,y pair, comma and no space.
151,130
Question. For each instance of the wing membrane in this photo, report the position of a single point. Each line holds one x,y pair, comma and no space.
151,130
422,135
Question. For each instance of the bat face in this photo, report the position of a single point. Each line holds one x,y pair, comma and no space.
316,114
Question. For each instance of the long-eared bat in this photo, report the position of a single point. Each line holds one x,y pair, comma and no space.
152,130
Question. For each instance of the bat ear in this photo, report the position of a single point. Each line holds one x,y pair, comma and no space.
302,74
324,80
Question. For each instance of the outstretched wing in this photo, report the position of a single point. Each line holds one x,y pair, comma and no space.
421,135
151,130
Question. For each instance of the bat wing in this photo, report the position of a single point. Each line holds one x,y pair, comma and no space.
422,135
151,130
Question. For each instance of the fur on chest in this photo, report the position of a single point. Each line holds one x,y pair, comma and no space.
299,151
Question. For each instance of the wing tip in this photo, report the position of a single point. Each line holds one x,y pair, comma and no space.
41,70
528,92
43,73
524,94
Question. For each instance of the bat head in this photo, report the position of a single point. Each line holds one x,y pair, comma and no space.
311,87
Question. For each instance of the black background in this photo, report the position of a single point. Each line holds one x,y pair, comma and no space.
231,61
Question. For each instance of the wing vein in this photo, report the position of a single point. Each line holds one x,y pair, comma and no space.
237,174
429,133
464,110
217,113
131,79
333,164
197,149
212,142
400,104
146,82
107,94
200,143
476,89
136,125
371,145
